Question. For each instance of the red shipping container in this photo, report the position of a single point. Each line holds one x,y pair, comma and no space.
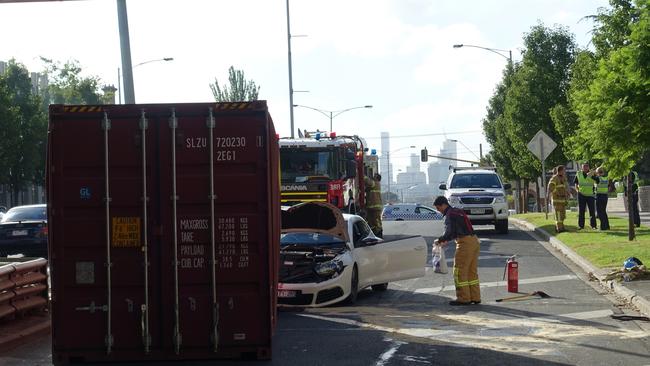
141,199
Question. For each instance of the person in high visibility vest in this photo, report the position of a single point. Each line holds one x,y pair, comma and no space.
459,227
602,192
373,204
558,191
584,183
633,177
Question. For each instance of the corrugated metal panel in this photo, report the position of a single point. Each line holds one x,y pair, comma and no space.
175,317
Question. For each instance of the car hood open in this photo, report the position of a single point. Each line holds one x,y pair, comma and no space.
314,217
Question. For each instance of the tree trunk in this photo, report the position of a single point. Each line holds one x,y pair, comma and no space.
525,195
631,208
539,198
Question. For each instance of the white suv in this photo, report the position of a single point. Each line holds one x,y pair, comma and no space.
481,194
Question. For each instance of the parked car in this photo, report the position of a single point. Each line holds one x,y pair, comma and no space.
23,230
327,257
409,211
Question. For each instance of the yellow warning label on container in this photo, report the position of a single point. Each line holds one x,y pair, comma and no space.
126,232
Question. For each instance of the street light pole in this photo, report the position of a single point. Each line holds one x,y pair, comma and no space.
390,173
125,47
331,114
156,60
493,50
290,71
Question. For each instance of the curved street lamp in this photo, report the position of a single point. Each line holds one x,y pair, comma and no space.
331,114
156,60
493,50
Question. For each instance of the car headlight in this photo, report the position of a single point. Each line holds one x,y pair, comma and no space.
500,200
330,268
453,200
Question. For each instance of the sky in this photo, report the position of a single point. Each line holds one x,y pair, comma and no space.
395,55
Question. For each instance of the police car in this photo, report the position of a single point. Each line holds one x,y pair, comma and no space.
409,212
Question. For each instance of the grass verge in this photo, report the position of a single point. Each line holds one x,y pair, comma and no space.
604,249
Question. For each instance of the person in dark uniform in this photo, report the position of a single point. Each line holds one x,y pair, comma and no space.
584,183
633,177
459,228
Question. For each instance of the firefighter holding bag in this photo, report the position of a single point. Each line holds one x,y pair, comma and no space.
458,227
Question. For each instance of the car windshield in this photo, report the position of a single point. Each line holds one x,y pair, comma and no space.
299,165
475,181
310,239
16,214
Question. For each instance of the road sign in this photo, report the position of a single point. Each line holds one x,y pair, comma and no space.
541,145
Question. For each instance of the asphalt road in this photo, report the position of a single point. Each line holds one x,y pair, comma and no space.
412,324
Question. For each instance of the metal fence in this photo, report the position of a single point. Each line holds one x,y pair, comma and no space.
23,287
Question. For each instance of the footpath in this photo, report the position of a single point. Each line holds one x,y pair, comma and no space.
635,292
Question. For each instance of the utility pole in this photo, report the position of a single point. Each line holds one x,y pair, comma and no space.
125,48
290,71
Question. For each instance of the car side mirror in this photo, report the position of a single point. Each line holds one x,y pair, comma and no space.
351,169
507,186
442,187
369,240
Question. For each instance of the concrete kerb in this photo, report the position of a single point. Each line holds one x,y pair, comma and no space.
631,296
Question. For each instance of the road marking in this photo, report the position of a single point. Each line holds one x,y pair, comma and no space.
535,335
485,257
386,356
431,290
585,315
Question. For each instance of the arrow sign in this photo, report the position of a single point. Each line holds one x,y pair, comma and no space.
541,145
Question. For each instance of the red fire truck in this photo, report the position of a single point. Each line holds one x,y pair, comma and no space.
324,167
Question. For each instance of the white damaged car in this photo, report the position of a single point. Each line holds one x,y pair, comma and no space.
327,257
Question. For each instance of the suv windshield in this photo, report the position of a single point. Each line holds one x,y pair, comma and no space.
298,165
475,181
25,214
310,239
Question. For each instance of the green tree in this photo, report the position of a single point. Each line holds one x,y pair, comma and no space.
539,83
22,149
68,86
614,111
494,128
240,89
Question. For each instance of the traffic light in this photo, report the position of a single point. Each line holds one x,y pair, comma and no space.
424,155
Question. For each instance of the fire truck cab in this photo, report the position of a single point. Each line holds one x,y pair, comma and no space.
323,167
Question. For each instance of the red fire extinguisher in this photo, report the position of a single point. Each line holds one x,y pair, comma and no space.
512,270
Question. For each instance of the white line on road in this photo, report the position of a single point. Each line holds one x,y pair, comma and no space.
484,257
431,290
538,335
386,356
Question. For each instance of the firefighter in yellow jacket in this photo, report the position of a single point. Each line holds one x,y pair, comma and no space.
558,191
373,204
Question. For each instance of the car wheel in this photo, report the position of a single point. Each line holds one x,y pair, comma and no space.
380,288
354,287
501,226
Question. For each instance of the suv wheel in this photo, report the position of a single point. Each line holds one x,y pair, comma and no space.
501,226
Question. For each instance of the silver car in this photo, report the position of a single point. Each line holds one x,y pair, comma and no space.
409,212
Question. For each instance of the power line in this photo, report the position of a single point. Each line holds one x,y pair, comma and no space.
427,134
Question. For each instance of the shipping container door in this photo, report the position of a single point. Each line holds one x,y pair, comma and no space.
98,212
222,212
